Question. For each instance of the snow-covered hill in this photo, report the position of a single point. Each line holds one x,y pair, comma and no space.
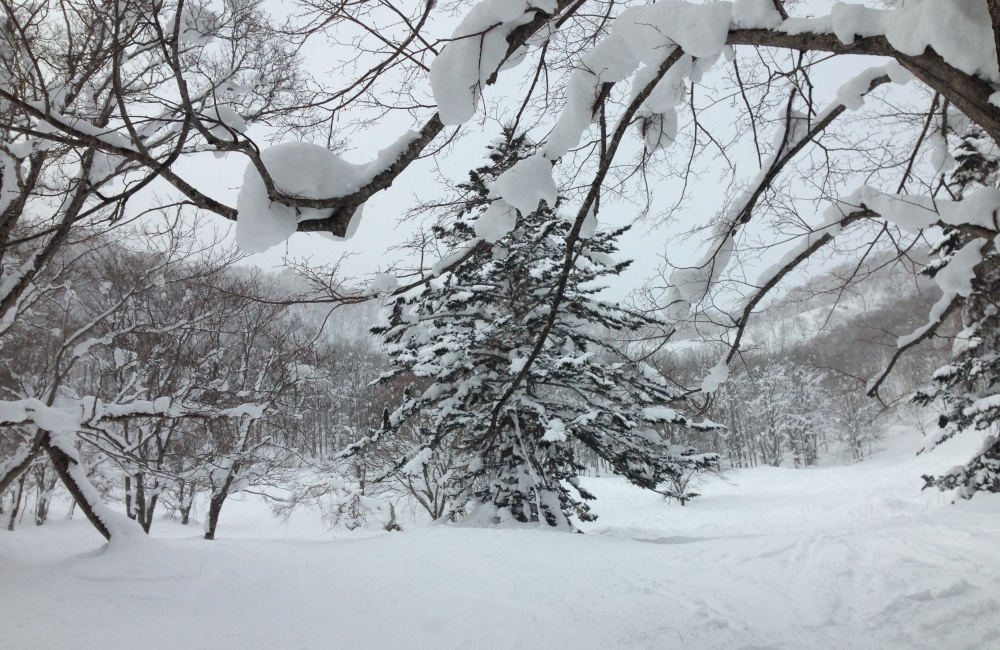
839,557
835,298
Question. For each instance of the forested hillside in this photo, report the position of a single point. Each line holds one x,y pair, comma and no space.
795,396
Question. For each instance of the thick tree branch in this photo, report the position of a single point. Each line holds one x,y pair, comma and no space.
994,6
345,206
968,93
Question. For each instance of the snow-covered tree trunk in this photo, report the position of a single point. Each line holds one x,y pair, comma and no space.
141,499
185,493
66,463
219,494
45,485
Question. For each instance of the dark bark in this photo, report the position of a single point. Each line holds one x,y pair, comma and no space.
61,462
214,509
186,514
18,496
218,498
54,243
994,6
147,514
10,217
45,483
129,505
185,500
14,471
966,92
138,508
41,508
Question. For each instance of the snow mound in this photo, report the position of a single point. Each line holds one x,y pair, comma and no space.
835,557
495,222
526,183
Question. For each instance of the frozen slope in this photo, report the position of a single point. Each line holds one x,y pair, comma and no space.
840,557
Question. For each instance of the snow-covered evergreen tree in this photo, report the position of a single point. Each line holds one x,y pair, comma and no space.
518,415
969,387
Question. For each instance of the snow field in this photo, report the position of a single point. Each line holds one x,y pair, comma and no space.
836,557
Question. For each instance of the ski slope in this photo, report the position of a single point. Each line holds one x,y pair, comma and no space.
836,557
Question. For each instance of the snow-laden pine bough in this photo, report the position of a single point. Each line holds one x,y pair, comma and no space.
759,52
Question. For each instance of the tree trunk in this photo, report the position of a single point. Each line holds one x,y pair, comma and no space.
218,498
18,494
137,506
73,478
129,498
146,520
19,462
43,496
41,510
214,508
186,502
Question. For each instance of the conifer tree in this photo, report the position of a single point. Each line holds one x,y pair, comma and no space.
969,387
514,450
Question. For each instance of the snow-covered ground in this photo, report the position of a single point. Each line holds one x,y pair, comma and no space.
837,557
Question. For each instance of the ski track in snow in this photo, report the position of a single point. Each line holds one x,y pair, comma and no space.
835,557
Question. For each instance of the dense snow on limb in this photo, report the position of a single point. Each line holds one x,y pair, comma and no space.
262,82
17,462
476,49
970,93
113,525
90,412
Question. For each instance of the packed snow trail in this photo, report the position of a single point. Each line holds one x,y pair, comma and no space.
836,557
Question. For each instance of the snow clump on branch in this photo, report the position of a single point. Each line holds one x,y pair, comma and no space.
477,48
298,169
303,170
